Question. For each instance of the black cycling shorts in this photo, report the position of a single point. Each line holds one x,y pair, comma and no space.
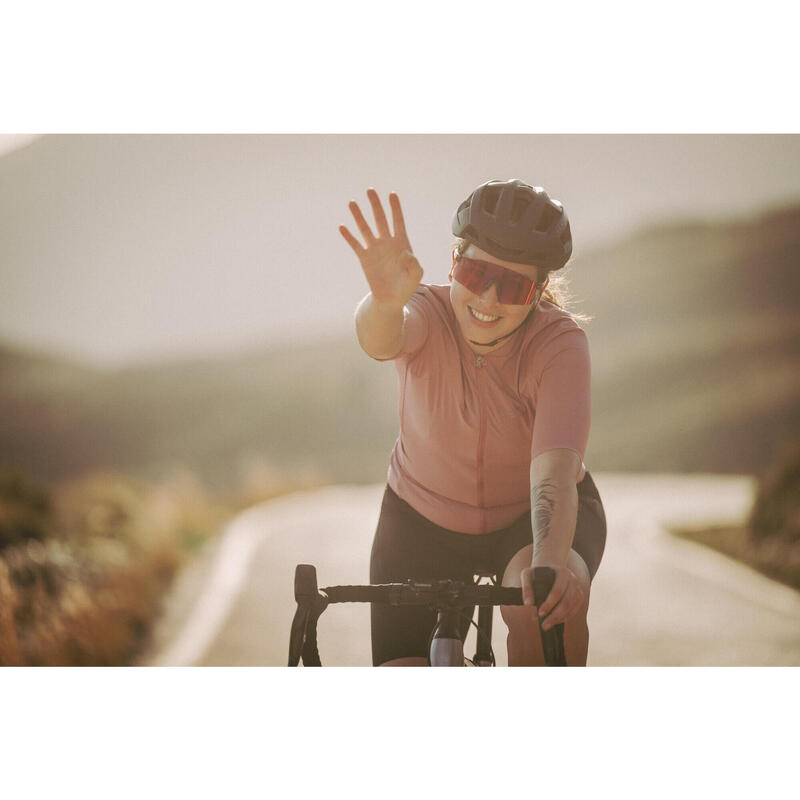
409,546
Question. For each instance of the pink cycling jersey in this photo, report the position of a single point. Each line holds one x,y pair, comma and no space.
470,425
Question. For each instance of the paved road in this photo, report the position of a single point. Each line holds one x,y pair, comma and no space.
656,600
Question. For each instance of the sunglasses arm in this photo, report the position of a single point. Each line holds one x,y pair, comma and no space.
536,288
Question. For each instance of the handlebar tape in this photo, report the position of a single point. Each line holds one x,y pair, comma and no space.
310,604
303,636
553,645
297,636
552,639
360,594
310,652
418,594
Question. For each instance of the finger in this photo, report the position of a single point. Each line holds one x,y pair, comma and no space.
527,588
352,241
398,223
556,593
377,210
563,611
366,232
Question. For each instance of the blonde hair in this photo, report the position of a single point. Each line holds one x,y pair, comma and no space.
556,292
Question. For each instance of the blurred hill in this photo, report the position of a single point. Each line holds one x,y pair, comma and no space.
695,345
125,249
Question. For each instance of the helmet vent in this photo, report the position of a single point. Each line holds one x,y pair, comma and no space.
503,248
489,199
518,208
548,217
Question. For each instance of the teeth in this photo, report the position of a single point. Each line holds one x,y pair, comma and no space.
482,317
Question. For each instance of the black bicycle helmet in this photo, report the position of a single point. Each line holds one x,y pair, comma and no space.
516,222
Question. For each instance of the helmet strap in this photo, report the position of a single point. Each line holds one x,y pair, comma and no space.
500,339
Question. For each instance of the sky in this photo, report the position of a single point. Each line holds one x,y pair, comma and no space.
13,141
123,249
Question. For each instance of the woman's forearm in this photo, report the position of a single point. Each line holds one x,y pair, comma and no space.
380,328
554,512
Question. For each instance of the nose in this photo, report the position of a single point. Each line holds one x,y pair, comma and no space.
490,295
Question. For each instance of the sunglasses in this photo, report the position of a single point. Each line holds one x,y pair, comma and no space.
512,288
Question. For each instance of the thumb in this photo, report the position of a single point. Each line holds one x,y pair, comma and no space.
410,261
527,588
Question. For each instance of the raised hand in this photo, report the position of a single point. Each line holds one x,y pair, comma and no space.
389,265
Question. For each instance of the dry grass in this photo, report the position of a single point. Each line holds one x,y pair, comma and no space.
776,558
85,564
769,541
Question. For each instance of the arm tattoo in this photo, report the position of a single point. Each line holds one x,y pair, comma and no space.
543,505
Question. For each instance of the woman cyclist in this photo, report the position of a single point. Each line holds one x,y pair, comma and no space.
487,473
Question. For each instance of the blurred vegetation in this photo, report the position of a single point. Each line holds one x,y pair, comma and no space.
84,563
696,368
695,349
775,558
776,512
770,540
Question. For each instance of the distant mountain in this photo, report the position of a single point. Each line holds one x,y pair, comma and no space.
696,357
131,248
695,345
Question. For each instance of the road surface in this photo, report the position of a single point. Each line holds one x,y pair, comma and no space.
656,600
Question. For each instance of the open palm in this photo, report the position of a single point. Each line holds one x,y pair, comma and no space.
390,267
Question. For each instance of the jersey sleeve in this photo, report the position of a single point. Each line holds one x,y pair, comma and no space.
417,326
562,395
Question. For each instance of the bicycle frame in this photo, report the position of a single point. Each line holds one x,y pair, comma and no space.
446,648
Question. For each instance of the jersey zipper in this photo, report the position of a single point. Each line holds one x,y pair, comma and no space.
480,363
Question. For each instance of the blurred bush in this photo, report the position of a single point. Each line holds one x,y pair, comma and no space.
24,509
84,564
776,511
769,541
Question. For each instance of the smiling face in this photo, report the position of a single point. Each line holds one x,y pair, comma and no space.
482,318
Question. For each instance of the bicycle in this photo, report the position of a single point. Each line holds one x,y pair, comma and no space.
448,597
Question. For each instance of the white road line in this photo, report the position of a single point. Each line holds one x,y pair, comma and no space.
239,543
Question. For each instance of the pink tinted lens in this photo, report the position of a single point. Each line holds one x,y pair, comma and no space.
512,288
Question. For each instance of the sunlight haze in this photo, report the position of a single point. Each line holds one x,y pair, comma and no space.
116,249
